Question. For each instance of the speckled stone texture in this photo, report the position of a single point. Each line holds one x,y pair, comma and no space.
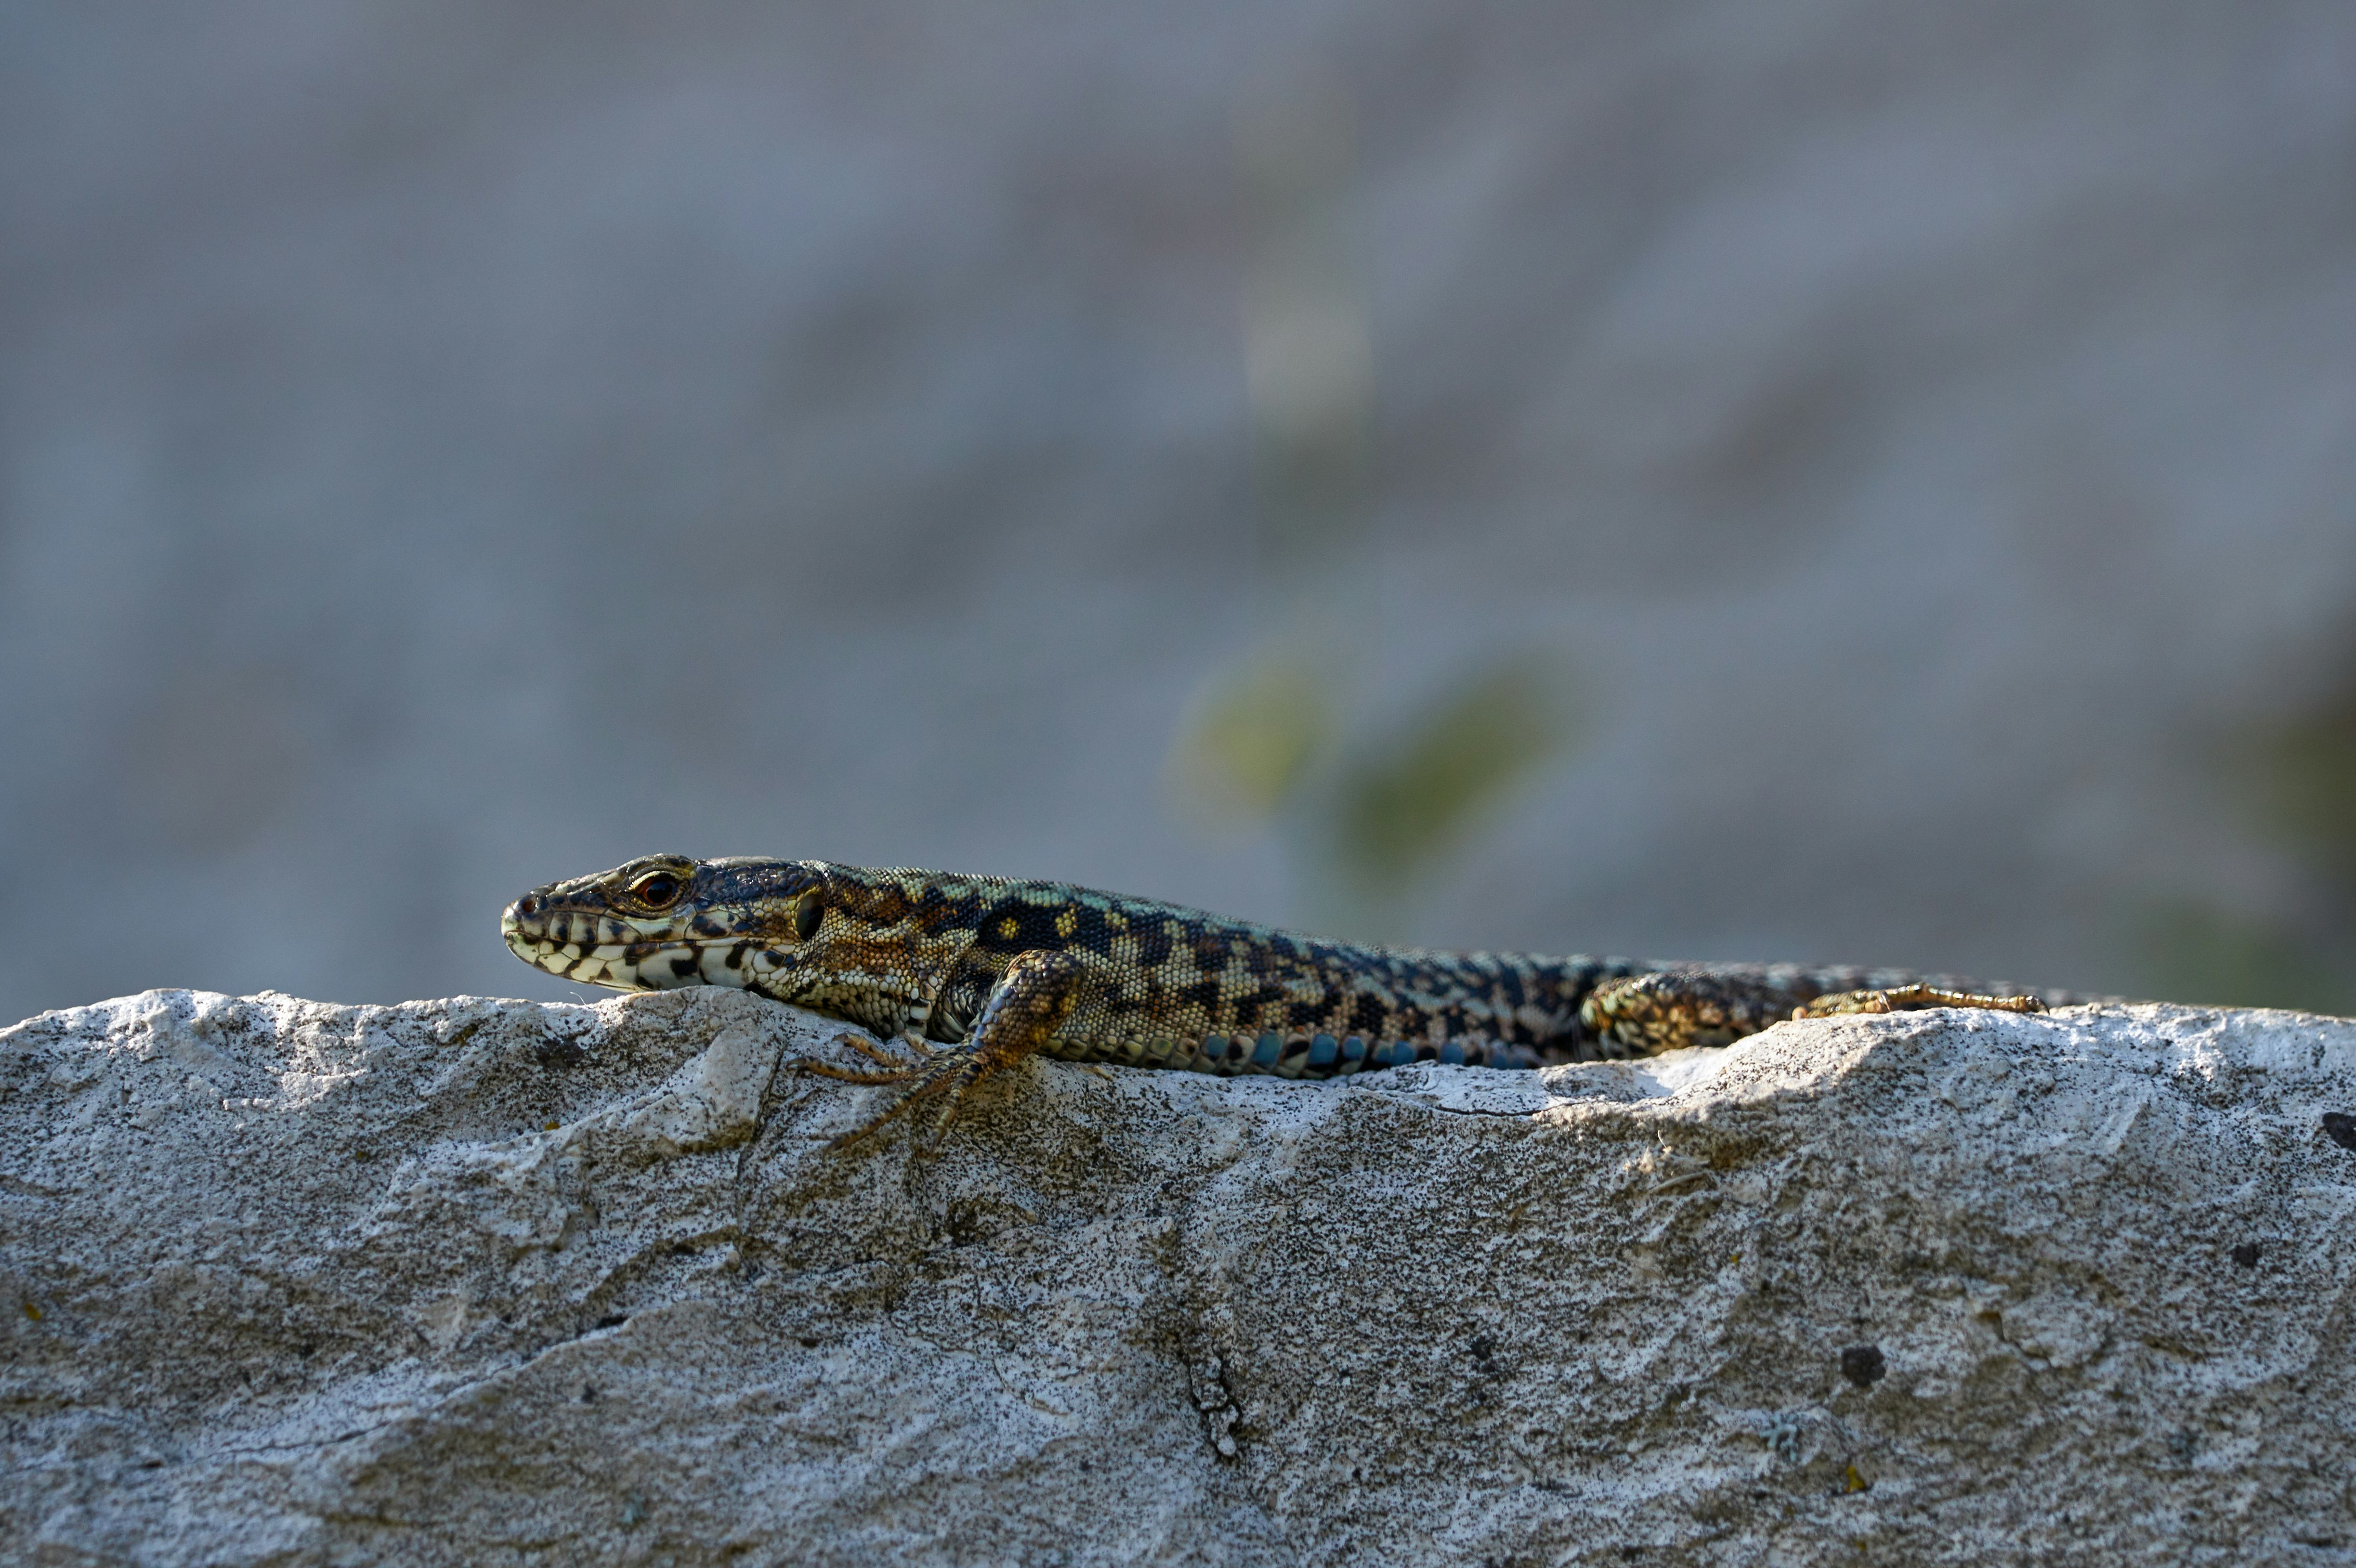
495,1282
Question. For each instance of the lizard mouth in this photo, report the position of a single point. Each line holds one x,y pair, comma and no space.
596,947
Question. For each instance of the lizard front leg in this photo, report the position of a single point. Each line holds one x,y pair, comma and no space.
1029,1003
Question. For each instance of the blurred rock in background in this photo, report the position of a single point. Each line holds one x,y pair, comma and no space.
1789,479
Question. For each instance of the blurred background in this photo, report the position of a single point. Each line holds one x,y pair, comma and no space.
1771,478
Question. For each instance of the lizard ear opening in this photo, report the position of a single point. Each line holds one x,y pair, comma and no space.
808,909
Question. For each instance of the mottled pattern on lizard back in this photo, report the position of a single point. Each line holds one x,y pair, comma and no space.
919,953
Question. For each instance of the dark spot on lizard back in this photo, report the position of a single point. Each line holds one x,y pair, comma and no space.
1154,943
1015,925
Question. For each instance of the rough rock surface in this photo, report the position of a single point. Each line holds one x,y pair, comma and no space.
497,1281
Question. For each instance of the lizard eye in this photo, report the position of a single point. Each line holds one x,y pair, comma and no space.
808,912
656,889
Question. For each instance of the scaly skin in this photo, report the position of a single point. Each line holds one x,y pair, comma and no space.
995,970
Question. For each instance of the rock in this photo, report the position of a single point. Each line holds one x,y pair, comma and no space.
489,1282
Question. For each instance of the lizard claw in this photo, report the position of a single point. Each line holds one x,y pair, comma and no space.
943,1076
892,1069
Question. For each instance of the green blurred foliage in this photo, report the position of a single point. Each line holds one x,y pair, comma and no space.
1370,821
1364,820
1409,800
1251,739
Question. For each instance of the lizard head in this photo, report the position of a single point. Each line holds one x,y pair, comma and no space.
665,920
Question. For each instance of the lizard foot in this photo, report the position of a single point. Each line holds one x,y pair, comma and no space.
1026,1006
1911,998
942,1076
890,1069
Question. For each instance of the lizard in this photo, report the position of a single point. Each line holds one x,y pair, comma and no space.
968,975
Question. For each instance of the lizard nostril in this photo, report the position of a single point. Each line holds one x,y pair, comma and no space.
527,906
